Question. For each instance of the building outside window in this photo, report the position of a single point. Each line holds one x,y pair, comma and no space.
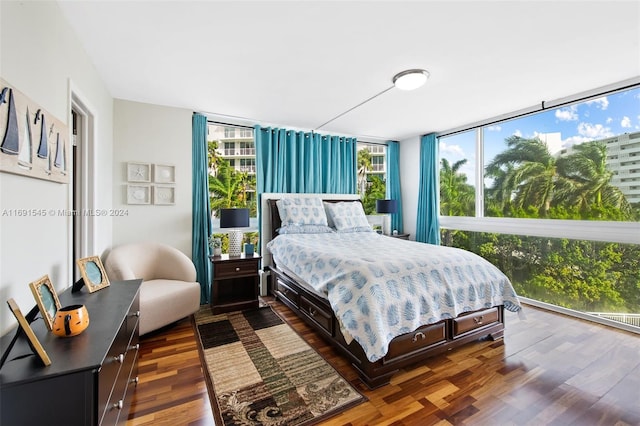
372,174
232,174
553,199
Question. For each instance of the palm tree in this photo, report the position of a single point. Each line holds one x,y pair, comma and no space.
528,169
587,180
228,188
364,165
457,197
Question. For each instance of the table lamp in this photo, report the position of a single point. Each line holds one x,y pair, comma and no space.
234,219
387,207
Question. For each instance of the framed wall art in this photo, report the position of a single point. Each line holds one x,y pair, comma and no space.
23,325
33,142
164,195
138,194
164,173
46,298
138,172
93,273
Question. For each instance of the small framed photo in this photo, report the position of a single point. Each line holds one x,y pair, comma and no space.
163,194
164,173
138,194
93,273
26,328
46,298
139,172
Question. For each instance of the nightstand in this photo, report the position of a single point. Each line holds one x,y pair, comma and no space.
401,236
235,283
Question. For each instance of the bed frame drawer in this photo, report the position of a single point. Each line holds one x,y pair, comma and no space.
286,292
319,315
422,337
474,320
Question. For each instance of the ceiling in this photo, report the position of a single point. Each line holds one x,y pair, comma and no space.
301,64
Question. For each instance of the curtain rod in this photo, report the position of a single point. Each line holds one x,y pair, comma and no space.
558,103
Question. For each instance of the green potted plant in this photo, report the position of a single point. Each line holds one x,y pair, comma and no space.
216,245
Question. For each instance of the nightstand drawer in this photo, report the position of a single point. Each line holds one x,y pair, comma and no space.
232,269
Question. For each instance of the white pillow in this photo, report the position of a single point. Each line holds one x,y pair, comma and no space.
347,216
301,211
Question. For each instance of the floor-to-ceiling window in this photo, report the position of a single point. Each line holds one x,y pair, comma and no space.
232,174
372,178
553,198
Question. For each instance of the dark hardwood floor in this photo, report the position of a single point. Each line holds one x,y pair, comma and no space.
549,370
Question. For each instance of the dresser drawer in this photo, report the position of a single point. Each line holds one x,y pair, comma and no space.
120,400
422,337
231,269
286,292
474,320
319,315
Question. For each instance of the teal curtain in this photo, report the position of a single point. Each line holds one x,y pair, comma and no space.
304,162
201,214
428,224
393,183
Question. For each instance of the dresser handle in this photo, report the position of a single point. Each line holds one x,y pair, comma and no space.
119,358
118,405
135,380
478,320
420,335
238,269
136,314
134,347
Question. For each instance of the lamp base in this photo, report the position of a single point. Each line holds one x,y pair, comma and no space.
386,224
235,243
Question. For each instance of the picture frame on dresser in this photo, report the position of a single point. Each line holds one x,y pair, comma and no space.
93,274
46,299
23,326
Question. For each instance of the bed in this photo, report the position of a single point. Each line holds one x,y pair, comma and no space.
383,302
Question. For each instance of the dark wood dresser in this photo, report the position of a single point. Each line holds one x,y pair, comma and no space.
91,377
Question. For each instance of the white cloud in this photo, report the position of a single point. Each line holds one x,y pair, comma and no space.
574,140
601,103
609,120
625,122
517,133
495,128
594,131
451,149
567,114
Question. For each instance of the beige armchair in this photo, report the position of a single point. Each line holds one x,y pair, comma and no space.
169,289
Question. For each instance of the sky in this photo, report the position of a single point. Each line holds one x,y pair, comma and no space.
595,119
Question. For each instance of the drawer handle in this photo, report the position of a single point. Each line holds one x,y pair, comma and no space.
478,320
134,347
136,314
118,405
419,335
135,380
312,311
238,269
119,359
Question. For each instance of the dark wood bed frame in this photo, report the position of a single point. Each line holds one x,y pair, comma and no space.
404,350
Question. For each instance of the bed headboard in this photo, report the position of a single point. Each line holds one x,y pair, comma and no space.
270,218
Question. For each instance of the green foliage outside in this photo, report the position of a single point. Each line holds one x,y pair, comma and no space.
528,182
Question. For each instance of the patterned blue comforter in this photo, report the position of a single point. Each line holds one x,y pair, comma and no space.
381,287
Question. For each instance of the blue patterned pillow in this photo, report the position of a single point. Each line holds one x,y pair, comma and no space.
348,216
301,211
305,229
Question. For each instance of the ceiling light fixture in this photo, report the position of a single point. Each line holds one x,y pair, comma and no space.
405,80
410,79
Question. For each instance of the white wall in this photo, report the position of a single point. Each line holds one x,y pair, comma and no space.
39,55
409,178
158,135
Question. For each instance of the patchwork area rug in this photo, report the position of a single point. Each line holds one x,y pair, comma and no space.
261,372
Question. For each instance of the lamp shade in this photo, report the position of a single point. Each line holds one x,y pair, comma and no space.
234,218
386,206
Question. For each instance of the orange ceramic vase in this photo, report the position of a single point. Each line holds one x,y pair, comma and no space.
70,321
